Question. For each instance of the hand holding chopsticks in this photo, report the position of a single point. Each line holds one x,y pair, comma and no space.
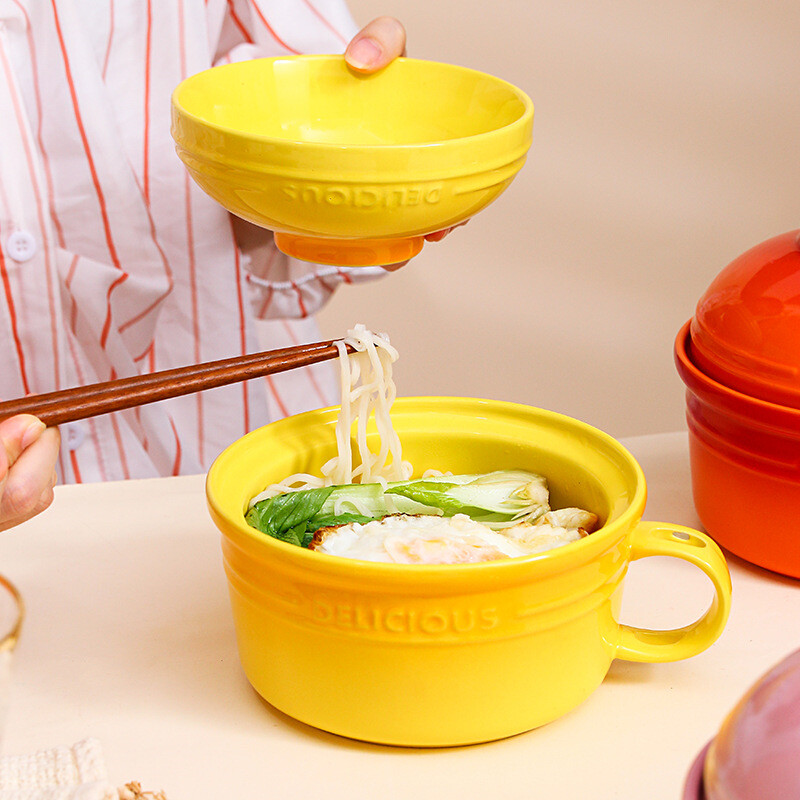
68,405
28,454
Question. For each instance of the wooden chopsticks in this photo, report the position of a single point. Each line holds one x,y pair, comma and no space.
68,405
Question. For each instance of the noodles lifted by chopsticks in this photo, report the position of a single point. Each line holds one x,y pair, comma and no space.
367,392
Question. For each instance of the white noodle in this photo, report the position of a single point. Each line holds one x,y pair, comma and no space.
367,392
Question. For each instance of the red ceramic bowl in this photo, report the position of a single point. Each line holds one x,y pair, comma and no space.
746,328
745,463
756,753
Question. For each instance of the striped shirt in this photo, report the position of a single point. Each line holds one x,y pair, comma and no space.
112,262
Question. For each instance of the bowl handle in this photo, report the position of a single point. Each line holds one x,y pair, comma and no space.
664,539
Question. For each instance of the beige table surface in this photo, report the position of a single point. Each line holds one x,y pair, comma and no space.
129,639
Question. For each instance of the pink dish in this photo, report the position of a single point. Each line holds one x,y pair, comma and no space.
755,755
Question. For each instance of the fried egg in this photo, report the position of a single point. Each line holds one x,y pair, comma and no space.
427,539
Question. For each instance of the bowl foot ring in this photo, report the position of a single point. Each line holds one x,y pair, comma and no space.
349,252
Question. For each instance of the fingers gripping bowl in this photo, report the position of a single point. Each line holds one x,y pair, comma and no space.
448,654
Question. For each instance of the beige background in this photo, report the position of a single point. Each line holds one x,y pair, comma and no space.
665,143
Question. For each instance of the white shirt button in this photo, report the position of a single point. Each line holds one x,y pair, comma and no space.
73,435
21,246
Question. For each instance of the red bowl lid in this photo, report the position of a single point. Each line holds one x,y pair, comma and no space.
758,413
746,329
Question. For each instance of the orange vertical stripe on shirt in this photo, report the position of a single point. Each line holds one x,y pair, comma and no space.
146,141
237,264
192,263
239,24
176,464
300,302
73,459
112,250
126,473
41,218
274,391
265,304
73,308
118,436
272,31
90,422
308,371
13,320
110,36
39,116
318,14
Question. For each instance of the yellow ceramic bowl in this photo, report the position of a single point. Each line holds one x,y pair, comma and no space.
346,168
449,654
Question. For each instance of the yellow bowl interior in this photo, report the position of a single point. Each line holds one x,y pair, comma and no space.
318,99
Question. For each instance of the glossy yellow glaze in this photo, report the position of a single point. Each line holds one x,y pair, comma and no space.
448,655
327,157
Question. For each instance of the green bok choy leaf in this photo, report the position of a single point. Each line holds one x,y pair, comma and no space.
497,499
